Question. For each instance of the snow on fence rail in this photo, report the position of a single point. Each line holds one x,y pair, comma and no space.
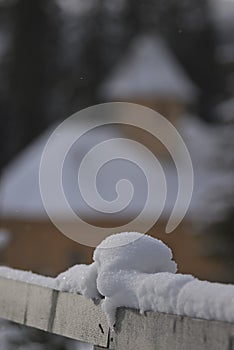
74,316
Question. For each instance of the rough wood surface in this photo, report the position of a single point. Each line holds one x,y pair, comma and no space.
67,314
157,331
74,316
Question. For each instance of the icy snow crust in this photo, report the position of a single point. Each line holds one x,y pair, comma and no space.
137,271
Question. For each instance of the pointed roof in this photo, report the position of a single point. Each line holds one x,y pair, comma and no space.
147,70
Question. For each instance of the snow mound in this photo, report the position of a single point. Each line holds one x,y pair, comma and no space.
122,264
137,271
133,250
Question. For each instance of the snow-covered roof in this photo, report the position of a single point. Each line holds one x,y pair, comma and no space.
20,193
148,70
19,187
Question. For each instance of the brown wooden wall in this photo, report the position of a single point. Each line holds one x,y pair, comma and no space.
40,247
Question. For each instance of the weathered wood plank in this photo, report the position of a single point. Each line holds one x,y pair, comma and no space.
13,300
79,318
157,331
67,314
74,316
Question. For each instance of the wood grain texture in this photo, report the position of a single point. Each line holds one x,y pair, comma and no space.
73,316
67,314
158,331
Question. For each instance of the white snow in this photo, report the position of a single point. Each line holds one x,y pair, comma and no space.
117,259
137,271
133,251
79,279
212,301
26,276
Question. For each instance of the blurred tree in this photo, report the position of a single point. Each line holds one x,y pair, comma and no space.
29,68
60,52
6,146
216,214
94,40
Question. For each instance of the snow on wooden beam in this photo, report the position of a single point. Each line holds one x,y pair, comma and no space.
73,316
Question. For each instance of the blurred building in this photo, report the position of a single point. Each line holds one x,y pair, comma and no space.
36,244
149,75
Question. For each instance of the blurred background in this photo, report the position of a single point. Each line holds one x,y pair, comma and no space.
60,56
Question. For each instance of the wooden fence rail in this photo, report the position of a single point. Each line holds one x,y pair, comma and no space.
73,316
